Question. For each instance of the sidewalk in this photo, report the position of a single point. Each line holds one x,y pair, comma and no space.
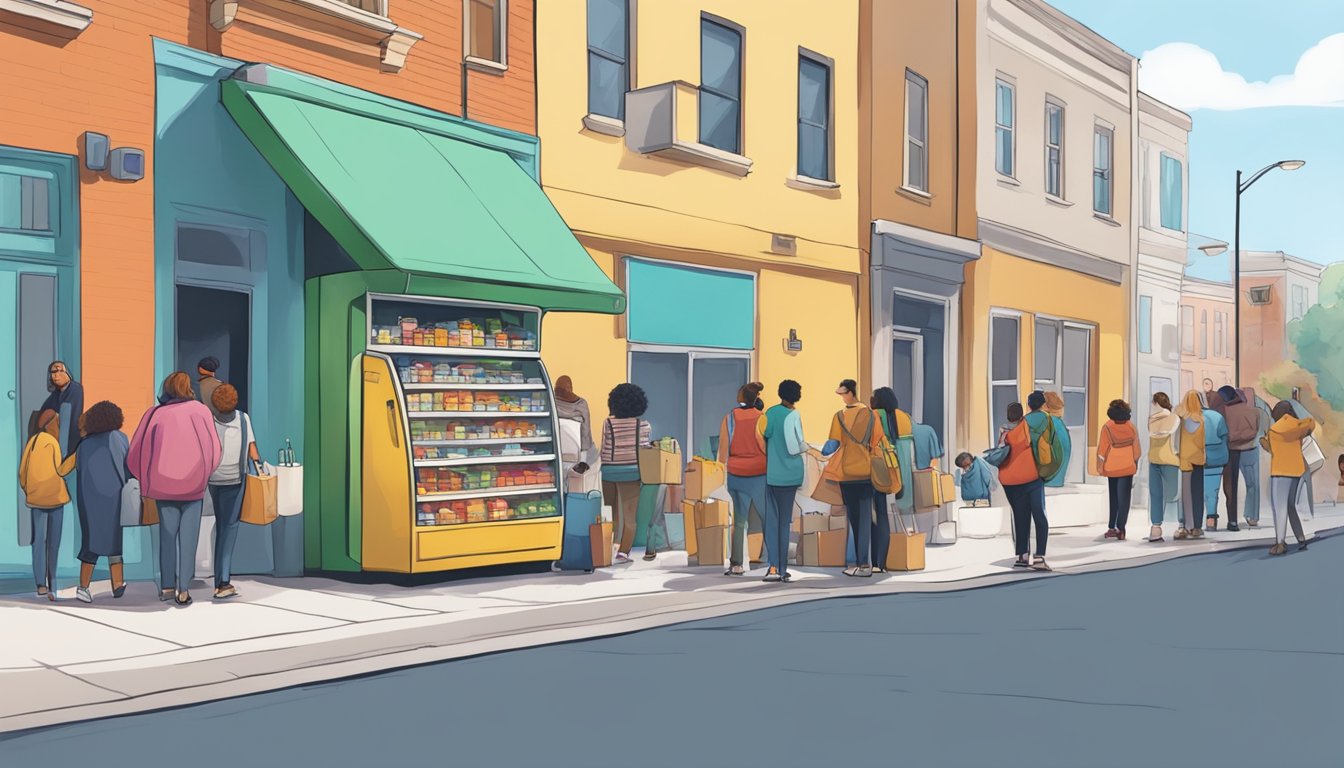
69,661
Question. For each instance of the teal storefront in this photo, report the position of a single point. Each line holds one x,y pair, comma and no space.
39,323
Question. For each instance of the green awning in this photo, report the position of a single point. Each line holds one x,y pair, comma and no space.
398,192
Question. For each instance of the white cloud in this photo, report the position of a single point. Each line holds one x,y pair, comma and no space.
1189,77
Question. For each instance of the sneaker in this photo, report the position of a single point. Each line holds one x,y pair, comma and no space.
786,578
860,571
1301,546
1196,533
1252,523
772,576
225,592
1155,534
1111,533
650,556
621,558
82,595
1120,536
1279,549
1233,527
1211,523
1181,534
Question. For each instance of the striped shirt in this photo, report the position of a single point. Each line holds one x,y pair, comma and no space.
620,441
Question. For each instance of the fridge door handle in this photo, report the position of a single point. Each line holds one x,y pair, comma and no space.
392,423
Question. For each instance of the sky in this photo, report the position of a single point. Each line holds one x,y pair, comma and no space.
1262,82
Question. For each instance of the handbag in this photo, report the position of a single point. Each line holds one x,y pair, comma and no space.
134,508
820,488
571,440
260,502
996,456
1312,454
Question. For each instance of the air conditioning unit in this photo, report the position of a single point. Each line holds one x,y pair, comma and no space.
1259,295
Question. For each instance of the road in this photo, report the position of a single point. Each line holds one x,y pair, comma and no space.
1223,660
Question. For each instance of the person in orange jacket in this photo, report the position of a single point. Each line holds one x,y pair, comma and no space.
1022,484
1118,455
1286,468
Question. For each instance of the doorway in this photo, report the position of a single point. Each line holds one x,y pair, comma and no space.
919,367
689,393
1063,364
27,337
216,322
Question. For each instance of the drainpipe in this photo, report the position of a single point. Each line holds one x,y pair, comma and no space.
1135,216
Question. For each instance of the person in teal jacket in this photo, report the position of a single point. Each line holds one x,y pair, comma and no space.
1216,455
1046,407
780,431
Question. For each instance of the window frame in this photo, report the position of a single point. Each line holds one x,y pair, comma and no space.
1010,128
1107,175
627,64
379,6
828,64
1145,324
740,99
1015,383
1204,334
1163,157
1218,330
479,62
1056,104
913,77
1187,339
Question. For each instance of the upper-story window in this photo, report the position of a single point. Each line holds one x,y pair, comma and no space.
486,31
1004,96
25,203
916,132
1203,334
372,6
814,117
1187,329
1102,181
720,85
1299,302
1054,149
608,57
1172,198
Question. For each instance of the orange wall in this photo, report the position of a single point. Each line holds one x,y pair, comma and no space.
1213,366
1264,328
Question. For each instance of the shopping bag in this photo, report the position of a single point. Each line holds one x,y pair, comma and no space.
1312,454
906,552
260,497
135,509
599,541
582,511
289,490
571,440
584,482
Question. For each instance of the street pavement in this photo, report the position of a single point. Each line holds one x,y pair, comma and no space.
1226,659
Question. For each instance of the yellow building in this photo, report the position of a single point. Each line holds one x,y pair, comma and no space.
706,155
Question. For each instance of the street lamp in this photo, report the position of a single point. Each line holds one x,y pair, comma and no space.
1287,165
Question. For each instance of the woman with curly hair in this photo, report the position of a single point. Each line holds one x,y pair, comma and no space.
101,457
1118,455
622,434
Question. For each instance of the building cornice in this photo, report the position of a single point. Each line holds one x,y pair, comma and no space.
1080,35
1163,111
1031,246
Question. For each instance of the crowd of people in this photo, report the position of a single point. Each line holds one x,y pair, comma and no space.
185,447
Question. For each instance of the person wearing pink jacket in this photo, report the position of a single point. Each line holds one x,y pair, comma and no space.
173,453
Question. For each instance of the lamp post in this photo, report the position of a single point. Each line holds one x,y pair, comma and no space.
1287,165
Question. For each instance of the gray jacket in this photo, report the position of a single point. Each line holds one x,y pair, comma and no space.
578,411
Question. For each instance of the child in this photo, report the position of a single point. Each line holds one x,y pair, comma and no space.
42,478
975,478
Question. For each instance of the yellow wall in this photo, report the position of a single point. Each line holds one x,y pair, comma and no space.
1003,281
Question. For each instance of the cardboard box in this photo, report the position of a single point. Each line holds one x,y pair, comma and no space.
710,513
712,544
906,552
839,522
825,549
947,488
755,547
659,467
599,538
814,524
703,478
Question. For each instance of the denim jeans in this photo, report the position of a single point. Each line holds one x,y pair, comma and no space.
881,529
1283,493
47,524
1120,494
1192,498
747,492
778,521
1213,481
1164,491
1028,505
1230,483
228,503
179,529
858,498
1250,473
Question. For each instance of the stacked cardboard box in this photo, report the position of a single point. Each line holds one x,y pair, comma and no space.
710,519
822,540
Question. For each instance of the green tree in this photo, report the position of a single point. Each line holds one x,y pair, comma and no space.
1319,338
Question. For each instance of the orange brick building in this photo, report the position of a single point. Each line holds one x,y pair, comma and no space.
101,249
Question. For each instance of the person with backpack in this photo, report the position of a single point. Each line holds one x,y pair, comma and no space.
1164,466
1286,469
42,479
741,451
622,434
1190,448
781,434
900,431
1020,476
1216,456
1054,408
856,434
1243,427
1118,455
101,457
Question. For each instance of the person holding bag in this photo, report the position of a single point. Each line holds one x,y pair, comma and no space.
898,431
1286,468
101,457
42,479
238,445
622,434
855,436
741,451
173,452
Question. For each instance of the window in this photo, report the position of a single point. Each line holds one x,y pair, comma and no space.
1054,149
1102,138
814,117
916,132
372,6
720,86
485,31
1171,193
1259,295
1146,325
1218,334
1299,302
1003,359
1204,334
1003,127
25,202
1187,330
1047,353
608,57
